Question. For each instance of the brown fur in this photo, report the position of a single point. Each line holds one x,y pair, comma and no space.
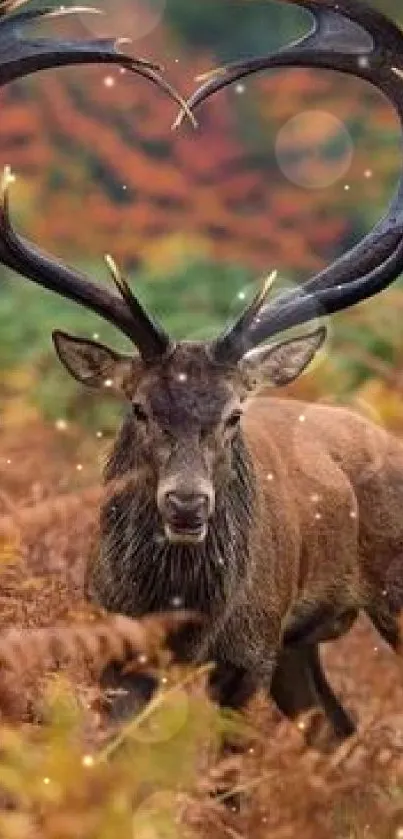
306,529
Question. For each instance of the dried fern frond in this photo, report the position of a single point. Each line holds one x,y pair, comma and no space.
54,509
64,507
97,642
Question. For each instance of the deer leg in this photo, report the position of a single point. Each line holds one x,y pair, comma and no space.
232,687
300,686
126,693
342,723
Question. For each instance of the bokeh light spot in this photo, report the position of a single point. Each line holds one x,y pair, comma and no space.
145,16
314,149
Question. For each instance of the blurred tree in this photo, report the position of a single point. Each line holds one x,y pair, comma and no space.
234,28
195,214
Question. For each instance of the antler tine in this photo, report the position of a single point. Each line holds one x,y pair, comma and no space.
151,339
20,57
22,256
231,343
350,37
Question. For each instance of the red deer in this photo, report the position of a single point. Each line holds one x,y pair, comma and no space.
277,521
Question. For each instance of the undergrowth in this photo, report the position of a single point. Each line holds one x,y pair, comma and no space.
53,786
68,774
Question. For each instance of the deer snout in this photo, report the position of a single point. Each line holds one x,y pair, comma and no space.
185,514
192,505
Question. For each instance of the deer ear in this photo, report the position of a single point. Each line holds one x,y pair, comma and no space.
91,363
281,364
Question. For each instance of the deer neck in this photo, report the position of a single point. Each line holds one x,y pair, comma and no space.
139,571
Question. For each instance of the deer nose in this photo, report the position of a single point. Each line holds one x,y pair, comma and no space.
182,505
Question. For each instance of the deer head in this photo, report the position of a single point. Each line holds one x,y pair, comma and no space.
186,399
185,413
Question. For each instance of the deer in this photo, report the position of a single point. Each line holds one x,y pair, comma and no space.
278,522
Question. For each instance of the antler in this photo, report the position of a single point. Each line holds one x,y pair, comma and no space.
350,37
127,315
19,57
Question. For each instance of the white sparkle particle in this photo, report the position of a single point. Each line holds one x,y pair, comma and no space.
240,88
376,649
79,467
353,514
220,561
109,81
177,602
182,377
8,177
164,680
302,417
122,71
241,295
61,425
363,61
88,761
368,173
100,434
270,476
315,498
95,336
108,382
301,725
124,187
385,591
8,462
318,516
46,781
251,751
346,187
143,659
399,833
176,60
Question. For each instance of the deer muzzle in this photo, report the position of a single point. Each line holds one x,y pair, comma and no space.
185,514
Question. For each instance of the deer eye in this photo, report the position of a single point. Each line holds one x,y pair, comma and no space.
232,422
139,412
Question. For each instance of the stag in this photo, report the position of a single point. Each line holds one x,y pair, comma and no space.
277,521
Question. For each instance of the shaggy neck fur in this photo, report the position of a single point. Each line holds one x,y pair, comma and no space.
139,571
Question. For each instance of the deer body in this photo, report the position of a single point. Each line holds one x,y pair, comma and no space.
305,536
277,521
320,522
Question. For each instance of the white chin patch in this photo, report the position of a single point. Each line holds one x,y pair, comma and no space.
186,537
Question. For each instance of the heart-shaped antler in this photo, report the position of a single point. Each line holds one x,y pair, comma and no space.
350,37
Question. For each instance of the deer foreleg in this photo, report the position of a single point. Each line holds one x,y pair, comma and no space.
299,686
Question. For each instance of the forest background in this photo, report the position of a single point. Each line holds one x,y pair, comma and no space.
285,171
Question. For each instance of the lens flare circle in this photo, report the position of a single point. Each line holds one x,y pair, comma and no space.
140,18
314,149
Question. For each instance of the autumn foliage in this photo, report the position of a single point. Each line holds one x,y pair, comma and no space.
99,166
